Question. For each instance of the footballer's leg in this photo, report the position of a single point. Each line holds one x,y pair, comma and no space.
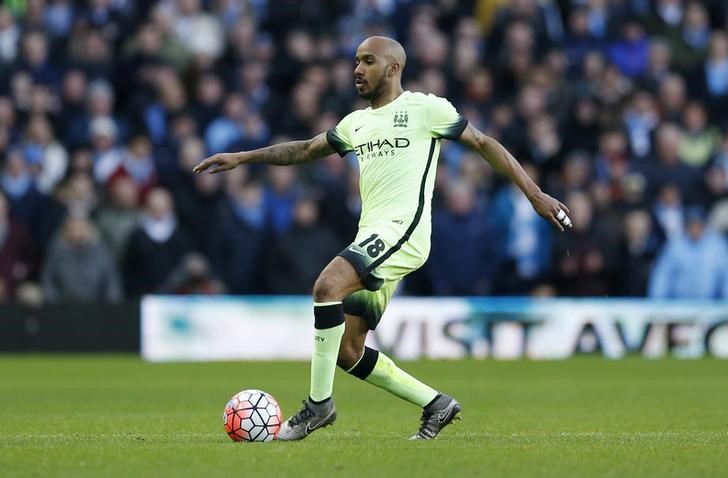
337,280
376,368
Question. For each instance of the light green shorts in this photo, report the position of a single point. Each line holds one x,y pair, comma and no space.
382,256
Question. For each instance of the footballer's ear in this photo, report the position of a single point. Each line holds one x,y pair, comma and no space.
394,68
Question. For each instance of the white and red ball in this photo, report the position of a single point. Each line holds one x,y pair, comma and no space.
252,415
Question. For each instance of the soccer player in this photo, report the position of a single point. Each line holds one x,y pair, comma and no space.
397,143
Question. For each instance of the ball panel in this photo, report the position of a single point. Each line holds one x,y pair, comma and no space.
263,414
247,424
245,412
242,435
273,410
255,432
257,419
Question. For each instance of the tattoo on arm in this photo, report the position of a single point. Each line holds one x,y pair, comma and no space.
499,158
293,152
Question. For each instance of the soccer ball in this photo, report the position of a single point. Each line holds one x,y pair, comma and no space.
252,415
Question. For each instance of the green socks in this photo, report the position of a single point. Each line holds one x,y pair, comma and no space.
378,369
373,366
329,328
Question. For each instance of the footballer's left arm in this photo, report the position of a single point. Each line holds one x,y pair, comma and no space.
502,161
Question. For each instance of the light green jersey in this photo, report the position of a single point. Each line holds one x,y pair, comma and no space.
397,146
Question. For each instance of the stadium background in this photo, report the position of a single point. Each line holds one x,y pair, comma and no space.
616,107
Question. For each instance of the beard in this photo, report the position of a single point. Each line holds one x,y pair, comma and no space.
376,91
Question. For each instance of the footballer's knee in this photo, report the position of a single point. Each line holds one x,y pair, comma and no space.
327,288
336,281
349,355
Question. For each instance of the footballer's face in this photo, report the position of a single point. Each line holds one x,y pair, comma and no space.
370,74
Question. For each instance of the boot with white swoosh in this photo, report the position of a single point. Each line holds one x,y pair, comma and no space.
437,416
310,417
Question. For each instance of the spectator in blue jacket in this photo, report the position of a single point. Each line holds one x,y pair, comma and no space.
523,241
693,266
462,260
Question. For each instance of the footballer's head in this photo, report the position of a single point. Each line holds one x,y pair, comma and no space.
379,64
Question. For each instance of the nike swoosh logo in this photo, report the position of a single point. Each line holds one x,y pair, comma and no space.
356,251
357,129
310,428
396,221
442,417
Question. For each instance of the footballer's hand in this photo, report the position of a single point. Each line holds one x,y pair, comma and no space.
219,163
552,210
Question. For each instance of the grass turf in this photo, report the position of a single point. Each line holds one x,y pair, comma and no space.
118,416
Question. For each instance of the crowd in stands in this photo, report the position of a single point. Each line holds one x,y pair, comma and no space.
619,108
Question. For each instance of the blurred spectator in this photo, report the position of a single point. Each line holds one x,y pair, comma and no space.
79,266
106,16
117,220
34,59
640,119
522,241
192,276
673,96
170,104
667,167
690,43
668,210
629,52
91,53
18,256
298,256
584,260
636,253
580,41
694,265
228,129
657,69
341,204
208,99
156,247
199,32
106,155
240,239
9,36
279,197
136,163
198,196
699,140
711,81
26,202
462,261
666,17
581,130
58,18
48,159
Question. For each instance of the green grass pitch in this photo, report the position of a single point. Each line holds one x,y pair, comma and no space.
97,416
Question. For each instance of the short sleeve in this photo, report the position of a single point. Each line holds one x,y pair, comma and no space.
339,136
442,119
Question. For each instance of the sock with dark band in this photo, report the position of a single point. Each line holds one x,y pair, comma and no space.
378,369
328,330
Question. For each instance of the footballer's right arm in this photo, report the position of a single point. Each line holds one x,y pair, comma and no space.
291,152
